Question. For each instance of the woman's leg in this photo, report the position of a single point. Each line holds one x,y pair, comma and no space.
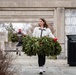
20,49
41,62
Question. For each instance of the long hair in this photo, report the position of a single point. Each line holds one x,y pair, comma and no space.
45,24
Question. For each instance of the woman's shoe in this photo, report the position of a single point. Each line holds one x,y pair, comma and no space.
19,54
41,73
43,70
16,53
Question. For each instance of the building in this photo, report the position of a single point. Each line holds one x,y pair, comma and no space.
62,13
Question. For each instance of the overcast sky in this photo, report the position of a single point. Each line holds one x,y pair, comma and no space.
16,26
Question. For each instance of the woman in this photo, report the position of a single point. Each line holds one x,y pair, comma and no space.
39,32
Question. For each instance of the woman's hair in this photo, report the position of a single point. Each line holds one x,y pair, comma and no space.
45,24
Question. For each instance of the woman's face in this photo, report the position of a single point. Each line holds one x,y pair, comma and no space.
41,23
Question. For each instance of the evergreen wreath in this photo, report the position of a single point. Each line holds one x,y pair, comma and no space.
41,46
14,38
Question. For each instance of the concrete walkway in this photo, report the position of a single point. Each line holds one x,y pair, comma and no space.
26,65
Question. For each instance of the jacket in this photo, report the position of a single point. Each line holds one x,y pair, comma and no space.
45,32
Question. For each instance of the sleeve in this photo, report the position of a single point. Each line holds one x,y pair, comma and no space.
50,33
34,32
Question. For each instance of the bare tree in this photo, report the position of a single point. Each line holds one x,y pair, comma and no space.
5,64
10,30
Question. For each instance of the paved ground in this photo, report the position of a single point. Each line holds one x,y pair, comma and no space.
26,65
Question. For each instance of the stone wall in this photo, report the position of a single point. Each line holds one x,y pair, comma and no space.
37,3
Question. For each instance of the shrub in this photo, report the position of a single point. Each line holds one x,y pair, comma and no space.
5,64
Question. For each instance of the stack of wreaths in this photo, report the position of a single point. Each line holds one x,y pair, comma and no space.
41,46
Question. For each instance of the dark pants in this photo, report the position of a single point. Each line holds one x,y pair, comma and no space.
41,60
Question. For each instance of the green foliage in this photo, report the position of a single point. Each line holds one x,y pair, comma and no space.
46,47
14,38
30,45
41,46
10,30
25,41
57,48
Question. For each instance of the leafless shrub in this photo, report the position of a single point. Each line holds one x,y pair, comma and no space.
5,64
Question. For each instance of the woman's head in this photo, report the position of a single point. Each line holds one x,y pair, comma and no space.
42,22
